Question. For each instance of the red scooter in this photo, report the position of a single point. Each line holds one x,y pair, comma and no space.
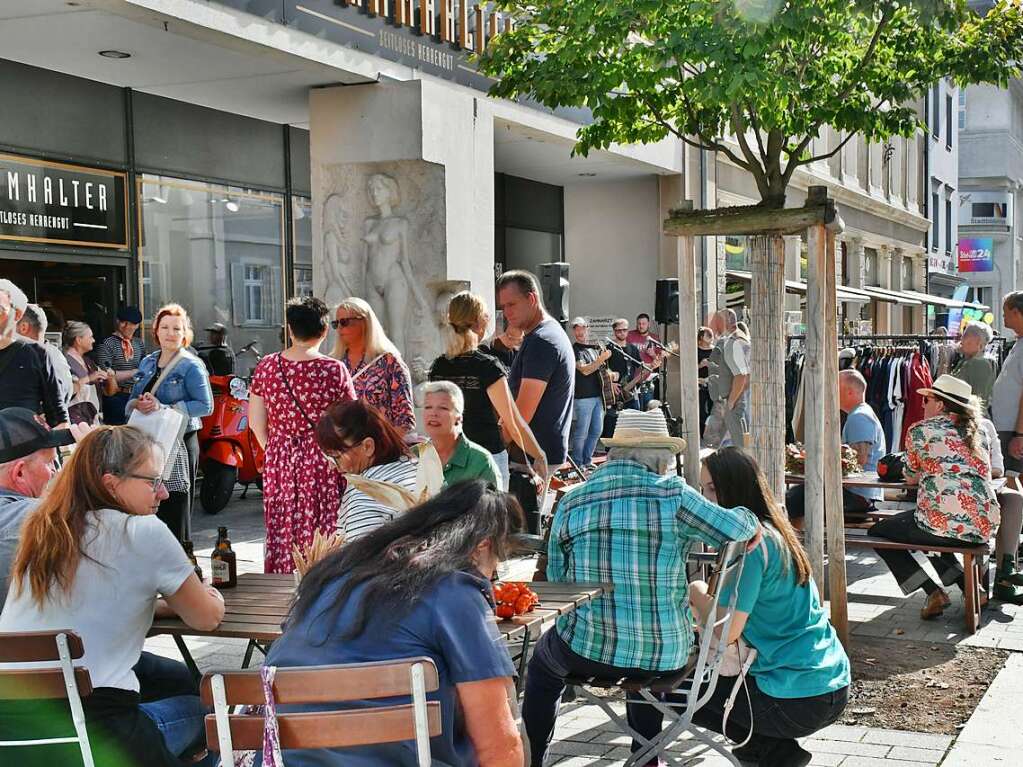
228,450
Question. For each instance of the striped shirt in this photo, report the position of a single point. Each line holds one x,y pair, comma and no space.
109,354
361,514
632,528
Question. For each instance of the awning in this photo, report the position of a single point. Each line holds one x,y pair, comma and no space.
951,303
844,294
891,296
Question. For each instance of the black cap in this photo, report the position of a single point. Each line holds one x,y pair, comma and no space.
129,314
21,434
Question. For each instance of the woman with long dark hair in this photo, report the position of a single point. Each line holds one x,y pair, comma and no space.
799,681
419,586
955,504
94,558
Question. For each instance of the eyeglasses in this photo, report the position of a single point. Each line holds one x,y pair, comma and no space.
335,457
621,330
344,322
155,483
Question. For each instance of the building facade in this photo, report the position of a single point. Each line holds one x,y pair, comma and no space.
990,192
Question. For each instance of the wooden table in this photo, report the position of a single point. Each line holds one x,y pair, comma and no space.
870,480
256,607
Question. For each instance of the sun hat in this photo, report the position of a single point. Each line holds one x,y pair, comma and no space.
644,429
21,434
580,321
950,389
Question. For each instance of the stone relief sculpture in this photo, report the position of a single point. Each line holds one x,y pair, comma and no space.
389,279
337,257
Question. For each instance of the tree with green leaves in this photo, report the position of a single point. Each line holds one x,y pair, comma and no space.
767,73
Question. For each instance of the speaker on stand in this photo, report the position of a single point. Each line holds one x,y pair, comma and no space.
665,314
554,288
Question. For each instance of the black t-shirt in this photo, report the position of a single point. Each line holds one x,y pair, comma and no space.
546,355
623,366
27,380
701,355
586,386
474,373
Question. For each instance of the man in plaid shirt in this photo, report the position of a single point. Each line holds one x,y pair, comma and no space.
631,525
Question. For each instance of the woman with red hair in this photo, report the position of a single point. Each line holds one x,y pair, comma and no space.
376,462
173,377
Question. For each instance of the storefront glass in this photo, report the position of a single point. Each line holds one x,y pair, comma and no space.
219,252
302,236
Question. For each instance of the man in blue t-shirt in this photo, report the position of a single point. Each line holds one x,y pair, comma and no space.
864,434
542,377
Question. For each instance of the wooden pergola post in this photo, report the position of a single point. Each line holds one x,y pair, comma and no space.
819,219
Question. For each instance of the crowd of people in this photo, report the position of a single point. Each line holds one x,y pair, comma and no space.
93,514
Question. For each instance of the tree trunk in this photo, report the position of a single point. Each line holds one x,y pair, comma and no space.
767,369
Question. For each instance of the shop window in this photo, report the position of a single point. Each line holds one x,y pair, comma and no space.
302,236
219,252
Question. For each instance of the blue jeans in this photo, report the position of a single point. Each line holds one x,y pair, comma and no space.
501,459
589,423
170,699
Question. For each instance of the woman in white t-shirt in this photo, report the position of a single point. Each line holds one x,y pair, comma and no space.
95,559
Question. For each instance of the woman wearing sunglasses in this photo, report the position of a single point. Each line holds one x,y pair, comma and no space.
290,391
947,460
94,558
380,375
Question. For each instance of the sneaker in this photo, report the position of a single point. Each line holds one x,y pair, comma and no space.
1006,591
935,605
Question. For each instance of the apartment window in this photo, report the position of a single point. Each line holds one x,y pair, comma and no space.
936,109
962,109
948,226
982,209
935,200
948,121
255,282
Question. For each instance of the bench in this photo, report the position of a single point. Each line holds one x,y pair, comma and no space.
972,555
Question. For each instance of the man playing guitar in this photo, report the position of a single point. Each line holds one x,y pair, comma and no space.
593,390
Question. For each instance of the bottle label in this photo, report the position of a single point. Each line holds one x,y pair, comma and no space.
221,571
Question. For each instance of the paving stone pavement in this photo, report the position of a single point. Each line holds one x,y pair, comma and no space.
585,737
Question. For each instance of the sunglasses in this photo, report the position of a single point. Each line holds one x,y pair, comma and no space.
344,322
335,457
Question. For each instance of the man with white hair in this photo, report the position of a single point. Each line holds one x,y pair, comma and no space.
27,377
864,434
462,458
728,382
973,367
631,524
32,327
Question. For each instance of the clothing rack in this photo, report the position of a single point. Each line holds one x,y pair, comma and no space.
999,342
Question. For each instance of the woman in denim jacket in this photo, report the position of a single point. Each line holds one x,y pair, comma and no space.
186,388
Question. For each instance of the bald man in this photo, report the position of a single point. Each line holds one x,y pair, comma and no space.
862,432
728,383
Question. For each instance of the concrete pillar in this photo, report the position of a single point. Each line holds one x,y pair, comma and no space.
883,312
857,277
897,310
875,151
402,171
849,163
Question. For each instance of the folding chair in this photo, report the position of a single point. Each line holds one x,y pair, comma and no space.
692,686
61,681
330,728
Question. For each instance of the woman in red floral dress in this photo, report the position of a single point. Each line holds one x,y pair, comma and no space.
290,391
380,375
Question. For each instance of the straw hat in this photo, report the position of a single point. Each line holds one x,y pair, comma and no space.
950,389
644,429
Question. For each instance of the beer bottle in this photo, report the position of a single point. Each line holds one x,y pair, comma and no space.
225,565
190,553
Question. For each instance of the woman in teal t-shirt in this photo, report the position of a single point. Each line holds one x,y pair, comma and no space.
799,681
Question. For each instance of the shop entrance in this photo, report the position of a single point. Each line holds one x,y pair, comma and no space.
90,293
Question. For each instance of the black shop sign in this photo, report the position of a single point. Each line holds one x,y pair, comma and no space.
62,204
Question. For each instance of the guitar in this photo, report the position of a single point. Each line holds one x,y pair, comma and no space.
607,389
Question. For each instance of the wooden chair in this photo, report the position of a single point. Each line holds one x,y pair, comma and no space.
62,681
419,720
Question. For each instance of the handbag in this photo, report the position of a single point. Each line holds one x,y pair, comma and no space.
892,467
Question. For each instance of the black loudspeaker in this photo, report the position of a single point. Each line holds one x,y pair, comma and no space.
554,287
666,303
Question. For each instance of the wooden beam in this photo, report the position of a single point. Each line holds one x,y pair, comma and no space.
816,398
688,323
463,24
830,447
749,220
447,21
480,33
426,19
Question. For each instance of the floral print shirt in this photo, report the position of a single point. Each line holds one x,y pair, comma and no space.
385,383
954,495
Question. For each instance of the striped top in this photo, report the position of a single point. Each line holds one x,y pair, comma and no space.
361,514
110,354
632,528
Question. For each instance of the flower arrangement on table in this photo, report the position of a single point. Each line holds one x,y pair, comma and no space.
795,460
